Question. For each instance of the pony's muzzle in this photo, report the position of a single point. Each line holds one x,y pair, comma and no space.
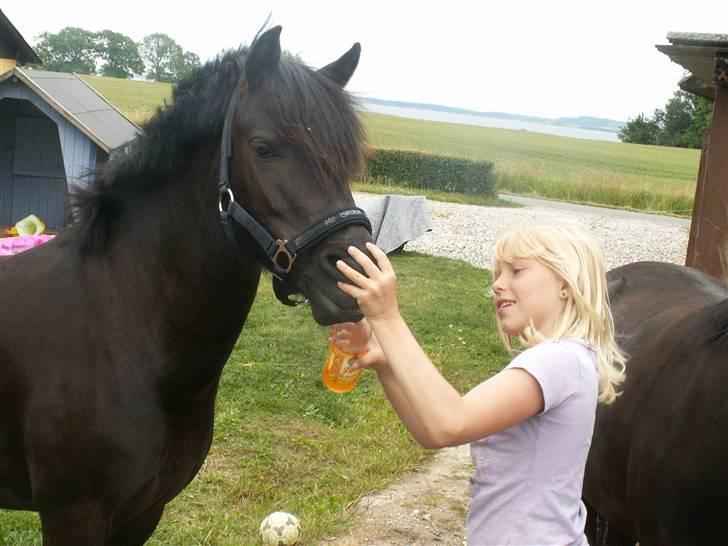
329,258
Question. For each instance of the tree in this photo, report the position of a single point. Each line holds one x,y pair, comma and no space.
675,120
166,60
682,123
157,50
639,130
72,49
120,55
183,64
702,116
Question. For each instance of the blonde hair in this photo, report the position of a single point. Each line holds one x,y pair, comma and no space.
576,259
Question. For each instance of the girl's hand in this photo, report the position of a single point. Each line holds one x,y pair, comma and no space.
376,292
358,338
351,337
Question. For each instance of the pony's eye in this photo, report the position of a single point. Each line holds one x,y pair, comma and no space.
263,151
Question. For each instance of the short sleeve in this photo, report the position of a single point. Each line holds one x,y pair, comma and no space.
555,367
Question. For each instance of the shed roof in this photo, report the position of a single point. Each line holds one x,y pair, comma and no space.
81,105
696,53
25,53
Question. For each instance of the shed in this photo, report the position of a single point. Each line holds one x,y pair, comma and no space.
54,130
705,57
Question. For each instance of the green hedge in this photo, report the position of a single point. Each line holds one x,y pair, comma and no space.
419,170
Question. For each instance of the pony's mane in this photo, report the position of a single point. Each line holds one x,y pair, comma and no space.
312,111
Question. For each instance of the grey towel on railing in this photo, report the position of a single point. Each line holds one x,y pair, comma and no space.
395,219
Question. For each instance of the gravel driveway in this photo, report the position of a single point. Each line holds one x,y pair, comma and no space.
467,232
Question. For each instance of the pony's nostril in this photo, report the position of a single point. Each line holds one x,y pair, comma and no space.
331,259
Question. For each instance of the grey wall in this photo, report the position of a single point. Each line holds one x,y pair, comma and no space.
32,176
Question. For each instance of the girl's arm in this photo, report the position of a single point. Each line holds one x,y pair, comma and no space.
342,335
404,410
446,417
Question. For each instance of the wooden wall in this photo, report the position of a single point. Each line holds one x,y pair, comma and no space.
6,64
708,243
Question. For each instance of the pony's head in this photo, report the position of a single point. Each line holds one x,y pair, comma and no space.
296,142
289,142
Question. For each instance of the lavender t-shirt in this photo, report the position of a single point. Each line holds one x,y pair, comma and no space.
526,489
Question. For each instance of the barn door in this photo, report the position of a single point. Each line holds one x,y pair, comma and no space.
39,180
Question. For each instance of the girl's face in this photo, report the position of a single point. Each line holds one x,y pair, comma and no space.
526,290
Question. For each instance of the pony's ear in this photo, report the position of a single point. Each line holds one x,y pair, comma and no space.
342,69
263,57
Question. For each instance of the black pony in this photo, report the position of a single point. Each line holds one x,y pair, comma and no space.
113,336
657,471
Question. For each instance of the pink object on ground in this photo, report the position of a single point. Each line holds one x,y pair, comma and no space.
15,245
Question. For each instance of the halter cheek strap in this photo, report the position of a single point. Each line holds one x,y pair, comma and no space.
281,253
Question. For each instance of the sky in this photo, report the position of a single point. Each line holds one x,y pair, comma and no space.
547,58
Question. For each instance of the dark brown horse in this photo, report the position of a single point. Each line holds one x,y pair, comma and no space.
657,471
114,335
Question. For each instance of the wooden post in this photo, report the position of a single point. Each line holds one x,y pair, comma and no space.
708,243
690,257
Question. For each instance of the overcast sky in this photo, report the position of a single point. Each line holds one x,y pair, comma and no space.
549,58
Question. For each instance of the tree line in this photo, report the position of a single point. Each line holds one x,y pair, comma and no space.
158,57
682,123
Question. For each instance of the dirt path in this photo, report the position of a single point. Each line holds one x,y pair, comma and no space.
426,507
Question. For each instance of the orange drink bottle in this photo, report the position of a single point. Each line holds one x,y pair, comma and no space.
337,373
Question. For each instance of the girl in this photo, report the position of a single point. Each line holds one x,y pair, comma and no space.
530,425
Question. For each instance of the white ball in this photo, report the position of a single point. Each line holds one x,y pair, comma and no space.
280,529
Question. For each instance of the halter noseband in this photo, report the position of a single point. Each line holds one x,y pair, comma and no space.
281,252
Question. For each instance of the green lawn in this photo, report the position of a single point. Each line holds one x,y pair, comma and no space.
633,176
284,442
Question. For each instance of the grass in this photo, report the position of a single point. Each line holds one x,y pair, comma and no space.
283,442
137,100
614,174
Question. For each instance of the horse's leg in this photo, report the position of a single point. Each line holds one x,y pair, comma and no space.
78,523
139,529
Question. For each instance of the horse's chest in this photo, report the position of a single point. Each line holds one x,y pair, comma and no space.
185,450
181,457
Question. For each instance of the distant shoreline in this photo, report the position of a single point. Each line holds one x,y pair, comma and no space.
580,122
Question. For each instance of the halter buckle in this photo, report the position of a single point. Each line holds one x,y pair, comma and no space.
281,249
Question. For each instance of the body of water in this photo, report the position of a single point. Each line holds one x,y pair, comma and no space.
465,119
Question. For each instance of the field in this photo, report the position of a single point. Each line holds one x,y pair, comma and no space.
137,100
632,176
648,178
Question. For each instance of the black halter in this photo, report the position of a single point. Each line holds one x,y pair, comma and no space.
281,252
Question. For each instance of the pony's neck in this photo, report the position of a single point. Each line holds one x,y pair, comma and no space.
196,288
